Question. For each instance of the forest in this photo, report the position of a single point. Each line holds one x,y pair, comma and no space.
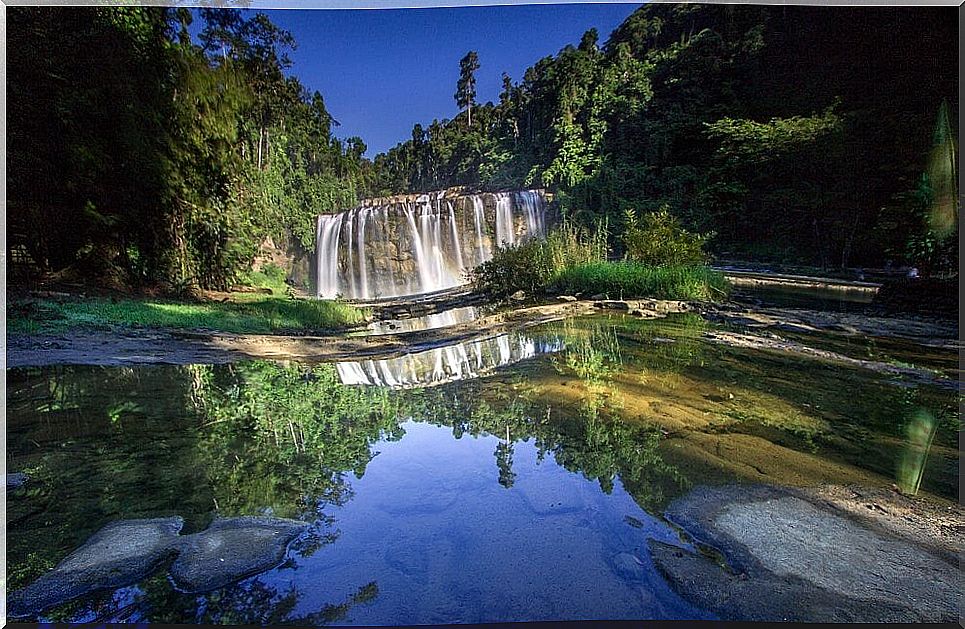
142,156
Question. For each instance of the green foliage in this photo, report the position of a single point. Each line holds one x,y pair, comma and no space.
169,162
166,162
533,265
260,314
270,276
659,240
757,142
625,280
730,115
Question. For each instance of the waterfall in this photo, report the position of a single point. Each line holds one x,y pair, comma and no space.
479,219
505,231
419,244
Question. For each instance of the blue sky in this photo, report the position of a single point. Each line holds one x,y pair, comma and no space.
381,71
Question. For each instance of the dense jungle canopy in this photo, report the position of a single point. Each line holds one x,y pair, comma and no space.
797,134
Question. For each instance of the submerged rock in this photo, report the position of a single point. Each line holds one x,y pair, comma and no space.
789,558
230,550
124,553
120,554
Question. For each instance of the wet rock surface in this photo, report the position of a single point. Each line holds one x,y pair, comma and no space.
790,557
120,554
776,343
124,553
232,549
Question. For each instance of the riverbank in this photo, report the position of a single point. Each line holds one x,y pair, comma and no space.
254,311
792,331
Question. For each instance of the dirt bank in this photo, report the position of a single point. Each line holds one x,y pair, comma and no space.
125,345
153,346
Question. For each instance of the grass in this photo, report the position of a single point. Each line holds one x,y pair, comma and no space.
252,313
624,280
574,261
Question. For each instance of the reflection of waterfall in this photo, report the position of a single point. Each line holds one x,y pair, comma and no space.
419,245
445,364
443,319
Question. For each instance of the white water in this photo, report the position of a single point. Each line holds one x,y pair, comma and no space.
445,364
420,246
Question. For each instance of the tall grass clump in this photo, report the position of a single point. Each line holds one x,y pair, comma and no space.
662,260
533,265
627,279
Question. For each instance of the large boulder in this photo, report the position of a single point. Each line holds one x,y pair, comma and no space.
120,554
230,550
124,553
785,556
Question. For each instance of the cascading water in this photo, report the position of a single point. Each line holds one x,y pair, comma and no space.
420,244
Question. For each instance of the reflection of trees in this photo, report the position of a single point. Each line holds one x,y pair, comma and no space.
259,436
591,438
504,461
98,444
252,603
592,350
667,346
285,436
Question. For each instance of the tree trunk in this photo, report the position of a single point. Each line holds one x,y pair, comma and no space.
260,134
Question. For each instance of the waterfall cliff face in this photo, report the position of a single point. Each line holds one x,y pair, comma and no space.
407,246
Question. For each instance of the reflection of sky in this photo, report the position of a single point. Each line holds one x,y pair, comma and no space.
459,361
445,542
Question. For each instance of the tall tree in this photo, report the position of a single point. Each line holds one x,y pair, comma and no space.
466,87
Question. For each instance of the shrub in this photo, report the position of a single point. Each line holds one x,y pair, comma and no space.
665,263
535,264
658,240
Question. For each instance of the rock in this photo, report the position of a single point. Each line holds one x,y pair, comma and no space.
518,296
628,566
232,549
644,314
612,304
566,298
598,296
17,479
667,306
120,554
794,559
240,288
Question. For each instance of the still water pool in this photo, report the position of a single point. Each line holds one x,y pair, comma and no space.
508,479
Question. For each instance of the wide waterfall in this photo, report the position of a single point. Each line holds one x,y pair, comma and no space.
420,244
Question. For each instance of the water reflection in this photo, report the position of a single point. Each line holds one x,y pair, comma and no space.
446,364
431,509
445,319
477,500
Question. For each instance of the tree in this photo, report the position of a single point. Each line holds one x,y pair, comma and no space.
466,87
